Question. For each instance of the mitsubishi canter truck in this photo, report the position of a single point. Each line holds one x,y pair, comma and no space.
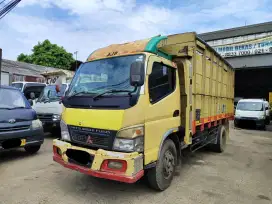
131,109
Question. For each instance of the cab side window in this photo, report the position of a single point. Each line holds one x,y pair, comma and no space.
162,82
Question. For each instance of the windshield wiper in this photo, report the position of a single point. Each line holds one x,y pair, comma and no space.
112,91
81,92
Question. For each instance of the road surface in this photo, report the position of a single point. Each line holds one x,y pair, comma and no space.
243,174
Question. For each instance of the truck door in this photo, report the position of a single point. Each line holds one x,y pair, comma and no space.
162,115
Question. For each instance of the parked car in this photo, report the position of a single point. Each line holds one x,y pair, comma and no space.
19,125
31,90
251,110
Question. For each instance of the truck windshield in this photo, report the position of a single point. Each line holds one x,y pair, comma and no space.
18,85
101,75
11,99
50,94
250,106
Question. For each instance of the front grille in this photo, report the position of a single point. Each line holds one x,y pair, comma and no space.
17,128
248,118
79,157
92,137
45,117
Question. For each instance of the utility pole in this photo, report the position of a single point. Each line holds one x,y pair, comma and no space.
76,58
0,64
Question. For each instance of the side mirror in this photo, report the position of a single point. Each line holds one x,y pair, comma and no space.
266,108
57,88
30,101
137,73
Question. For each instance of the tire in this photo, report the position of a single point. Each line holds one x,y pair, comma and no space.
267,121
56,132
161,176
236,124
221,143
32,149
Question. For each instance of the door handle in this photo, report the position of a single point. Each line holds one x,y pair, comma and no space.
176,113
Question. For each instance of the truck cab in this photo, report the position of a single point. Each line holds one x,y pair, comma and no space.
49,108
31,90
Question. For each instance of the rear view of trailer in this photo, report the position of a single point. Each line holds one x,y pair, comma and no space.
207,83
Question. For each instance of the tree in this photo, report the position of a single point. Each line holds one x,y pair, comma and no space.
48,54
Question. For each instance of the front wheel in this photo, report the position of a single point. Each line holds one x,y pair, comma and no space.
161,176
32,149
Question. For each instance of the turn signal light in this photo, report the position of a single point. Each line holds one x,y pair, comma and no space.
114,165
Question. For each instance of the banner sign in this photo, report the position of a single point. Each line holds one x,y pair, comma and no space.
255,47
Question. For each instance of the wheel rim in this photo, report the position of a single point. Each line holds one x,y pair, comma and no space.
168,164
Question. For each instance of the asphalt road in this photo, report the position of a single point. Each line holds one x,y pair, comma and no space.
243,174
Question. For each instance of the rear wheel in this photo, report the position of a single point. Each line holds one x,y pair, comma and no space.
221,143
263,127
32,149
161,176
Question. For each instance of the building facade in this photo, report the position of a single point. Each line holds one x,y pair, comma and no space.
19,71
249,50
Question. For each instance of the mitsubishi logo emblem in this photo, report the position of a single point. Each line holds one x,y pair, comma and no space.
12,121
89,140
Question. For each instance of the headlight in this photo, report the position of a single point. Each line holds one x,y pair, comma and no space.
36,124
130,139
56,117
64,131
261,117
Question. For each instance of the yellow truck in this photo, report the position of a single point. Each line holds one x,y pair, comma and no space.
131,109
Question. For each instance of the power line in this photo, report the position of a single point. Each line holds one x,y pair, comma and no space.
8,7
2,1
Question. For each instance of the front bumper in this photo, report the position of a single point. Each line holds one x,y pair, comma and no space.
133,172
28,137
51,124
258,122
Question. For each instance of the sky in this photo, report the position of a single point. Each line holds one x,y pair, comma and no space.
86,25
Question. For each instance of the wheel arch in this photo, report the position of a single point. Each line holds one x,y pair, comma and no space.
174,134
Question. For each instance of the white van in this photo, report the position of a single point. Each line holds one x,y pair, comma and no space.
49,107
251,110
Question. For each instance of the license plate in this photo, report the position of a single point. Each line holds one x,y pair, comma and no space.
23,142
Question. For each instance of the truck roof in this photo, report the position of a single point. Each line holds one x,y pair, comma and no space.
252,100
26,82
164,46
